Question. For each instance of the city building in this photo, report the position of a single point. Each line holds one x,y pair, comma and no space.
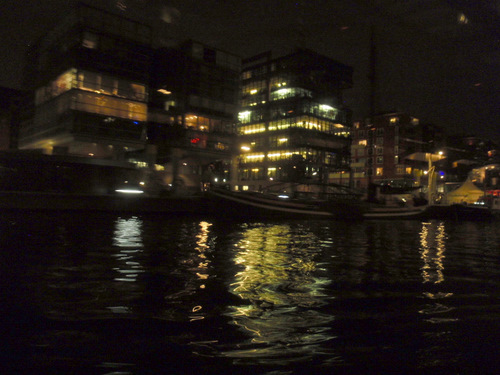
192,113
393,149
90,76
292,124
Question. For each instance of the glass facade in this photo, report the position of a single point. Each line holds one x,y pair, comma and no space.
290,121
102,99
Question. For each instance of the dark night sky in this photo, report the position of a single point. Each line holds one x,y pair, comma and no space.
428,63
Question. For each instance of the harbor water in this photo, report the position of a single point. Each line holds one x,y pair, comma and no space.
102,293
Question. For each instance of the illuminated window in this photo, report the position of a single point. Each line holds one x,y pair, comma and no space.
394,120
108,85
109,106
362,142
253,88
271,173
286,92
283,141
252,129
279,155
462,19
379,171
244,117
254,157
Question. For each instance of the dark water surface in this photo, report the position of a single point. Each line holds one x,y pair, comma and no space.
109,294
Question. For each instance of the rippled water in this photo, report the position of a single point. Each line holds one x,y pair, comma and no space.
108,294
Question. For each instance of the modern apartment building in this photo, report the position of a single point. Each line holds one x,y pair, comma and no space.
90,75
292,124
392,149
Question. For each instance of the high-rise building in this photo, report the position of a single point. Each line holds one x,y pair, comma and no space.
192,112
90,75
292,125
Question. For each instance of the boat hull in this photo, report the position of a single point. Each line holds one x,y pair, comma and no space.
256,205
396,213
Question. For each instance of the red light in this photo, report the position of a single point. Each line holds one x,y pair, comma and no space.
195,140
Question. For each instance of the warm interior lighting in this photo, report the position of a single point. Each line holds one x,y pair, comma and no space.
163,91
462,19
326,107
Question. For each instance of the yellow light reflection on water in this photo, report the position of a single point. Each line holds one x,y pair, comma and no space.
201,247
284,286
432,249
201,271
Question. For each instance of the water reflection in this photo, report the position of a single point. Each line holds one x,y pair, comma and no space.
437,312
127,238
146,295
281,287
432,251
202,269
201,247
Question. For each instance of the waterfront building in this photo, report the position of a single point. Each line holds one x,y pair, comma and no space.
292,124
192,113
392,149
90,77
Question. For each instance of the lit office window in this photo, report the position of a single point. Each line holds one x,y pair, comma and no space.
109,106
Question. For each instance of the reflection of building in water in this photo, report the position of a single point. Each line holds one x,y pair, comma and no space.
191,271
202,246
432,248
128,241
282,283
201,270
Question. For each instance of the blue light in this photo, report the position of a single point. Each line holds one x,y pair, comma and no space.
136,122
